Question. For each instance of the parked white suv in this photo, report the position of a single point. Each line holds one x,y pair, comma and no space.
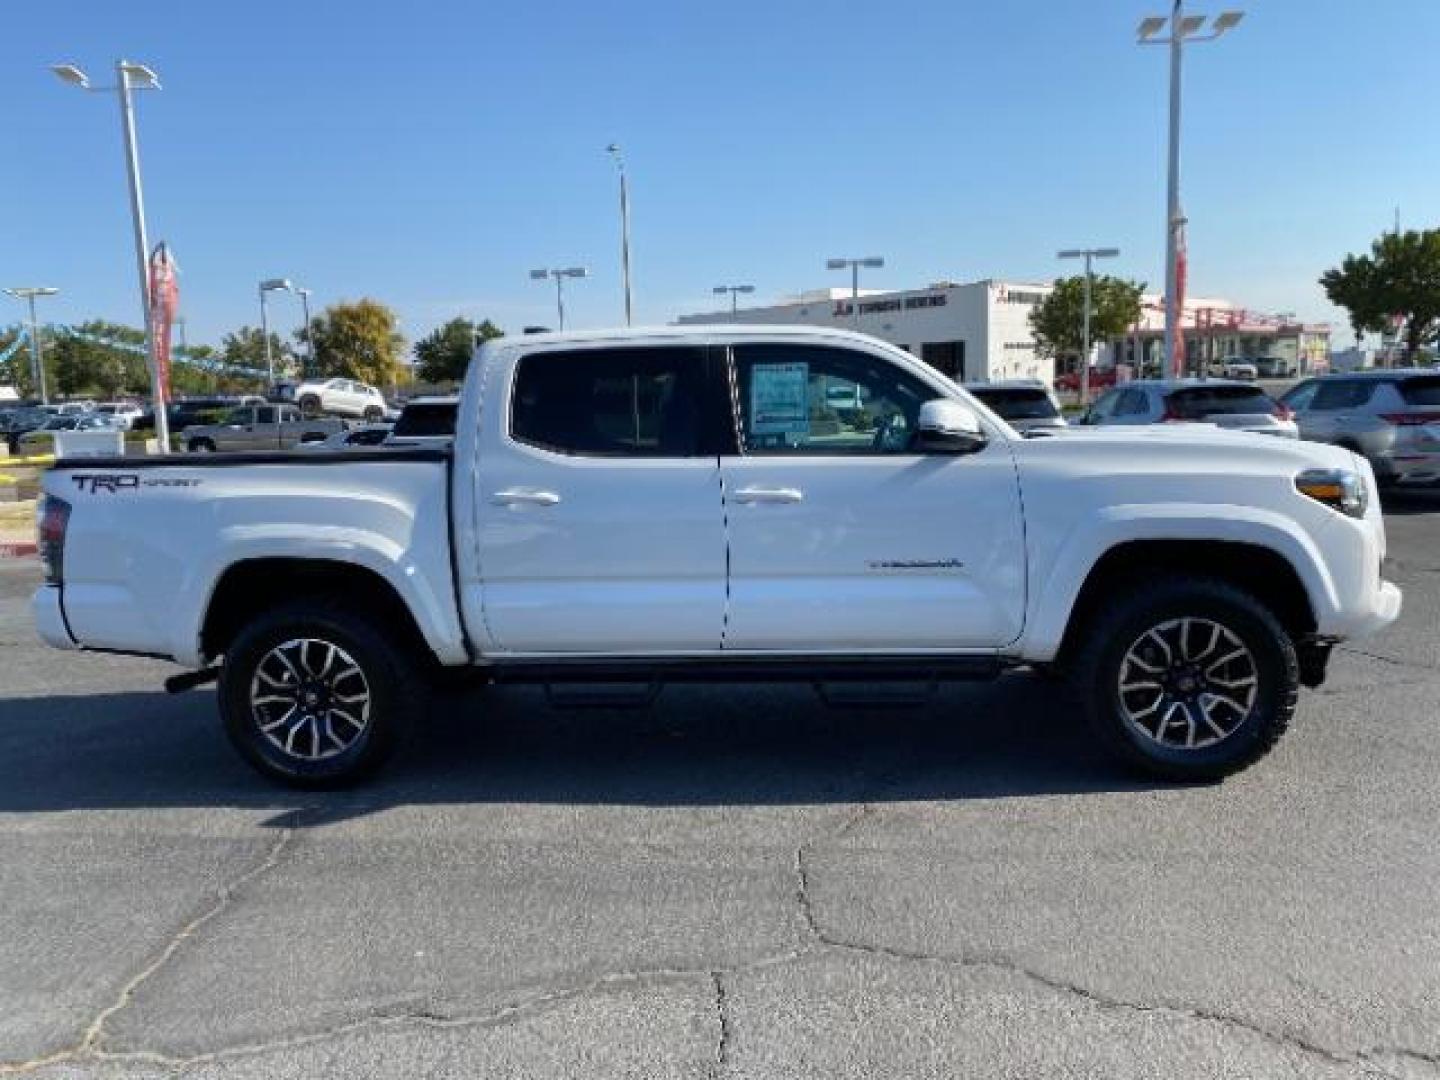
340,397
686,504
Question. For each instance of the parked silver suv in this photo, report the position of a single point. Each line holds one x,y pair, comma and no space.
1391,417
1025,406
1235,406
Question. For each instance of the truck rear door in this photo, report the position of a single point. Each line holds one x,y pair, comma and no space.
600,527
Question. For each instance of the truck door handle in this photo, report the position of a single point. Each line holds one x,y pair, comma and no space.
522,497
769,495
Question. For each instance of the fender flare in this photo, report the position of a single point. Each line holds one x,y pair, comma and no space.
435,613
1052,600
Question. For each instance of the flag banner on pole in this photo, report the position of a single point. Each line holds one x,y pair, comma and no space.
164,302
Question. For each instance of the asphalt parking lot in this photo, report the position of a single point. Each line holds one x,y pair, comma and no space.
735,882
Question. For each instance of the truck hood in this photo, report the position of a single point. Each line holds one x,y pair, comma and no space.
1180,449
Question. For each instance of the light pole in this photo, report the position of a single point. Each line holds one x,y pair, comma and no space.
37,354
734,291
1088,254
614,151
854,265
1183,29
270,285
304,295
560,274
131,76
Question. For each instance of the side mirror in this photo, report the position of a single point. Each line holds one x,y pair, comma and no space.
949,427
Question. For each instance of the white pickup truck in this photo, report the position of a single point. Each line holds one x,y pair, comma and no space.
689,504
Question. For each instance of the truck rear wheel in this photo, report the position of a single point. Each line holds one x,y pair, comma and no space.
309,406
1187,679
315,694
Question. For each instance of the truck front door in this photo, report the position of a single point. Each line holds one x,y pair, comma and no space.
843,537
599,521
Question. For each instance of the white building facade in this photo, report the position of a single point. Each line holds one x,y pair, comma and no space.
975,332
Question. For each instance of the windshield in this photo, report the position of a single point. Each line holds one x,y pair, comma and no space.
428,418
1018,403
1219,400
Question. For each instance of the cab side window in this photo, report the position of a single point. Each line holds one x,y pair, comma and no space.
816,400
629,402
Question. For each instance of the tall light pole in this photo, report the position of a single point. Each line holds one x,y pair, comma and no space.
560,274
614,151
131,76
734,291
37,354
854,265
1088,254
269,286
304,295
1183,29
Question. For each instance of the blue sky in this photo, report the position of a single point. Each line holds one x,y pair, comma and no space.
430,154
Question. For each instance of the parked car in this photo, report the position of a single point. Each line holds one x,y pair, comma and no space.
340,397
354,438
257,428
1391,417
40,440
14,423
125,413
426,421
1235,367
654,506
1235,406
191,411
1274,367
1025,406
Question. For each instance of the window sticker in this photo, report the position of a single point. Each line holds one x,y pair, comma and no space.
779,400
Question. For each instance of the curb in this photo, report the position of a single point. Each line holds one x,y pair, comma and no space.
18,551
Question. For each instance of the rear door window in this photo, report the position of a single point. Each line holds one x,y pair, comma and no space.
1341,394
634,402
1019,403
1422,392
1198,402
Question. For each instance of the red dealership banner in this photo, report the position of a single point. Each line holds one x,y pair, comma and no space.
164,302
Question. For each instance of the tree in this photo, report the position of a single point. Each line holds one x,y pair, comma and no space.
1399,281
246,348
356,341
445,353
1056,322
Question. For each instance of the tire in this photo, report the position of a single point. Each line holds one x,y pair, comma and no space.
309,406
362,733
372,414
1197,702
201,446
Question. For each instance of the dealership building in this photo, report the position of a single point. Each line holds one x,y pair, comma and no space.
974,332
980,331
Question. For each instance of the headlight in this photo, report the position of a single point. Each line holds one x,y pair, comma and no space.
1338,489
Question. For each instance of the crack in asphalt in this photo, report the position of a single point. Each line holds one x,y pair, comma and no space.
1395,661
722,1020
89,1045
1367,1059
817,941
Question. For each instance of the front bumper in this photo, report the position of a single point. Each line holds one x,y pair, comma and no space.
50,618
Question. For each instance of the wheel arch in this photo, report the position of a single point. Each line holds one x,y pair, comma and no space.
1262,553
1258,570
253,585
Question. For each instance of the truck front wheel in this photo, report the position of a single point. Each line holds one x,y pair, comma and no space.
315,694
1187,679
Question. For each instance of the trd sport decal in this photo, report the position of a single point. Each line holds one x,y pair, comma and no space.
114,483
915,564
